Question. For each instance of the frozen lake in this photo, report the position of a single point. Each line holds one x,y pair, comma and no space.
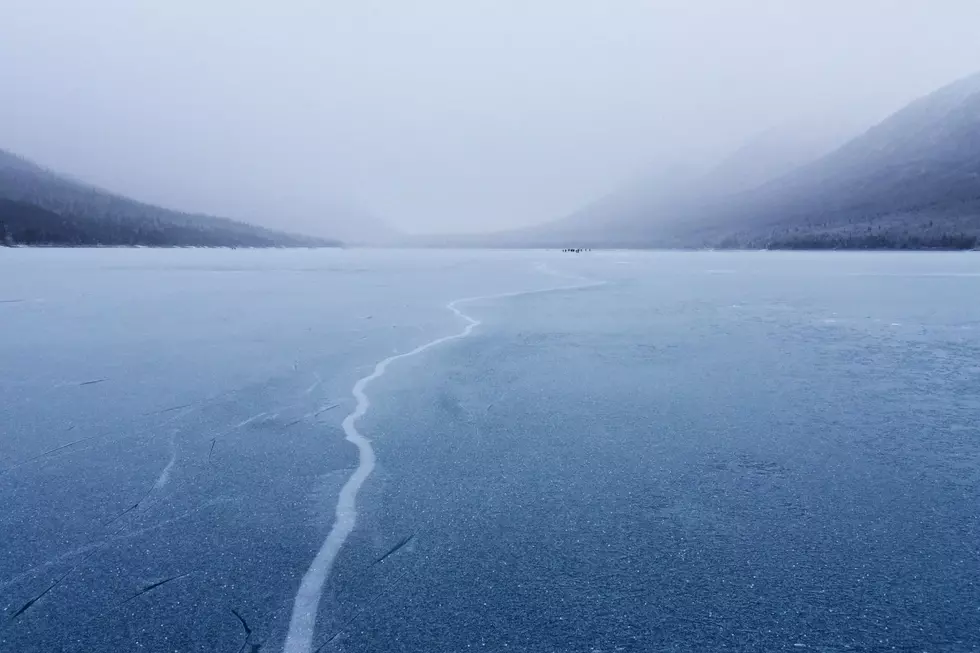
611,451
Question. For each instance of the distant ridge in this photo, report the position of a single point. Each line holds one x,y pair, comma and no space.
910,182
41,207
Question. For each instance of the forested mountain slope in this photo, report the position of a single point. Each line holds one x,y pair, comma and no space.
40,207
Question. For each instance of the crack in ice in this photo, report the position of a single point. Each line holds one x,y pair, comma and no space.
302,623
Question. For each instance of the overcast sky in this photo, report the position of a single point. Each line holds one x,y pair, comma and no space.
442,115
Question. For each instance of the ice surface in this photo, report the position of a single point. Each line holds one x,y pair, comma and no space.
710,451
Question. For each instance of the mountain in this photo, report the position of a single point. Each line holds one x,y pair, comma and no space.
912,181
776,152
40,207
630,215
607,222
625,209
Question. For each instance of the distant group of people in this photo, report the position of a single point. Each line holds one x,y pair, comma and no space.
576,250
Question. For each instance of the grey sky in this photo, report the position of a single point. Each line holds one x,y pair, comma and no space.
441,115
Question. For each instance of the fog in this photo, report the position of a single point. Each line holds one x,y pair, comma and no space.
440,115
